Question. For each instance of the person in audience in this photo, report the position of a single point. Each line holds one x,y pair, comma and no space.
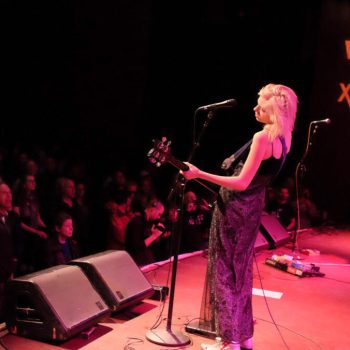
143,232
9,225
309,213
170,220
30,168
66,202
270,195
82,219
66,196
114,185
119,215
282,208
146,192
133,204
46,189
33,234
61,247
196,223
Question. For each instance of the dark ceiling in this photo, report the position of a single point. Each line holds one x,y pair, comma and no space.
101,79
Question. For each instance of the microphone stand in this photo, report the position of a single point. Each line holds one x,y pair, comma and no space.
300,170
168,336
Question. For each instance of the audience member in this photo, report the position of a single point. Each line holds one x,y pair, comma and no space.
46,181
61,248
82,220
31,242
143,233
119,215
3,167
281,206
289,183
309,213
9,224
66,191
66,202
164,245
146,193
30,168
270,195
196,223
114,185
133,203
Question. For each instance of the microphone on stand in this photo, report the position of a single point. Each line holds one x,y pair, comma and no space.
323,121
219,105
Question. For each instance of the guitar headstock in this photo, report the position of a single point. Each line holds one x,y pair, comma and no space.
160,152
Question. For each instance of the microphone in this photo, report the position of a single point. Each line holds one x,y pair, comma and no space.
323,121
224,104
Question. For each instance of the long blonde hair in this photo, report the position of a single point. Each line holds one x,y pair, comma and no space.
280,104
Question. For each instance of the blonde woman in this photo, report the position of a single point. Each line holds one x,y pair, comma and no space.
236,221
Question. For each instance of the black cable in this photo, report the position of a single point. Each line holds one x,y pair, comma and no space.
267,304
334,279
132,341
290,330
158,320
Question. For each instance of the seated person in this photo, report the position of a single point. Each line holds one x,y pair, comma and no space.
282,208
196,223
309,213
143,232
61,248
118,219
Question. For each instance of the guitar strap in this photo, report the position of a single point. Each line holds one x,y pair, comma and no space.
284,155
227,163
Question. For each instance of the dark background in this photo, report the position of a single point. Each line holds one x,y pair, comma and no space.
102,79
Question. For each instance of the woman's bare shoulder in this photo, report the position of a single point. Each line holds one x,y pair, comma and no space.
261,137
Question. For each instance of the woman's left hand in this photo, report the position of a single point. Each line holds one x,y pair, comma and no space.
191,173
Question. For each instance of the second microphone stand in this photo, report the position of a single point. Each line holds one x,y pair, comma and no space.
168,336
299,172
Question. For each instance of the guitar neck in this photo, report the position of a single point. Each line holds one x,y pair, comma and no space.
177,163
184,167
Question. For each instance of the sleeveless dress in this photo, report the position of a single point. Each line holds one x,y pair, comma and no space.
227,297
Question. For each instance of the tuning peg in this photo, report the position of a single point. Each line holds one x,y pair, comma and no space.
150,152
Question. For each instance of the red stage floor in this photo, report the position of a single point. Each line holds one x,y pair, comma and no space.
310,313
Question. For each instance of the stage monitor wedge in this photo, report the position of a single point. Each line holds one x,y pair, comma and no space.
48,305
273,230
261,242
116,277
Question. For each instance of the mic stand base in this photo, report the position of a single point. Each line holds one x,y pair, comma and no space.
296,251
167,337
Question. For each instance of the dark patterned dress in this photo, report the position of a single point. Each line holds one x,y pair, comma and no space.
227,299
